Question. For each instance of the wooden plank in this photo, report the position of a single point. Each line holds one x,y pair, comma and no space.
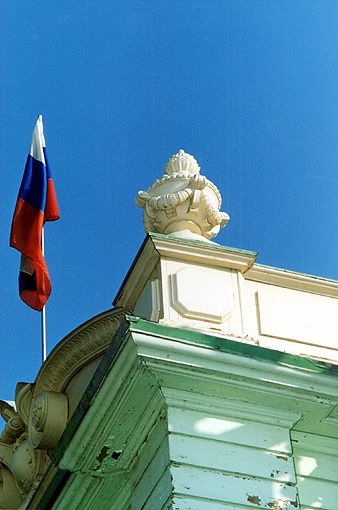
315,456
150,477
306,507
185,503
232,430
168,505
229,457
240,490
315,493
148,450
317,465
159,496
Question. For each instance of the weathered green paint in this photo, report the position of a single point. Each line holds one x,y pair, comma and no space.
171,454
60,477
231,346
91,390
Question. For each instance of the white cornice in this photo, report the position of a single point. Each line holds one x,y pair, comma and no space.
210,255
291,280
230,408
175,354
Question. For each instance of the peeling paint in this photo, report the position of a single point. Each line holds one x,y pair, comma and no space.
103,454
275,505
116,455
274,473
282,457
256,500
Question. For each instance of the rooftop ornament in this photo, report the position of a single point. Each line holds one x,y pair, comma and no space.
182,202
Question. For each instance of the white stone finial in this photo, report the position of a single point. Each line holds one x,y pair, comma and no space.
182,202
182,164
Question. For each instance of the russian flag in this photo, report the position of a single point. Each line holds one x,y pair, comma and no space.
36,204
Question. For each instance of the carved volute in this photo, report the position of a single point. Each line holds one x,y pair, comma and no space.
183,202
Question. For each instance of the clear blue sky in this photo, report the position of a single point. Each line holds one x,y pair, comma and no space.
249,87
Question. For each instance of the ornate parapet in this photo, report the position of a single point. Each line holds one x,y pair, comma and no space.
42,409
183,202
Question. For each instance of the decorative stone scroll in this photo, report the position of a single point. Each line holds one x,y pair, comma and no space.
48,419
182,202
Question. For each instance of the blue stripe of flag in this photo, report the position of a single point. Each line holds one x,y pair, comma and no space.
48,173
34,184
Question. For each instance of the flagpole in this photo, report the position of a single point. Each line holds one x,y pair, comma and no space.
43,333
43,311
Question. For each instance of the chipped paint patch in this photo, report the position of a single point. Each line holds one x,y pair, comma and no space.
102,455
255,500
282,457
275,505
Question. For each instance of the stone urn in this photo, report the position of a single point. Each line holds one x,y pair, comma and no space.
182,202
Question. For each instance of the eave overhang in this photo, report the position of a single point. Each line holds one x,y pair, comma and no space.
305,390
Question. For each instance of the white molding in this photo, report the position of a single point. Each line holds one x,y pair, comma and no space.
196,356
230,408
291,280
230,376
210,255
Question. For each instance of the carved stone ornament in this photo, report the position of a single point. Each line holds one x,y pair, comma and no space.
182,202
21,466
42,409
48,419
